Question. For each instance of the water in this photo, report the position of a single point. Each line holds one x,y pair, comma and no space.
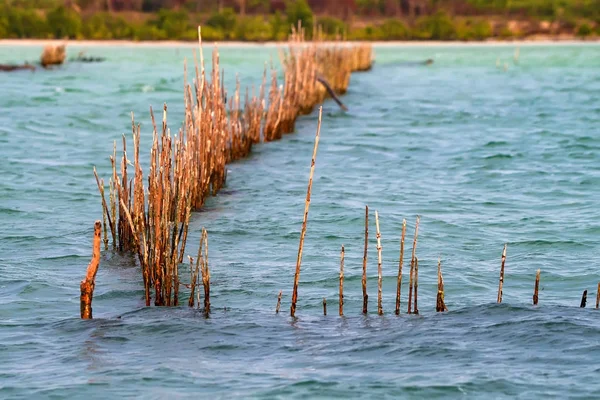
485,156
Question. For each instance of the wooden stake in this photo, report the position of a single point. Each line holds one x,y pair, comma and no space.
304,221
324,306
501,283
87,285
440,303
342,282
416,310
400,263
364,272
537,287
598,296
379,268
278,303
412,266
583,299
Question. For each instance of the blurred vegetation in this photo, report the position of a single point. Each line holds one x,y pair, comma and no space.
367,20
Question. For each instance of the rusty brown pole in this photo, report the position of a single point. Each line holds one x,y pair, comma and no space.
598,296
305,220
87,285
324,306
536,287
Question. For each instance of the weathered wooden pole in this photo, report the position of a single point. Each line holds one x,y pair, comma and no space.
324,306
305,219
379,268
342,281
583,299
412,266
87,285
598,296
501,283
536,287
364,270
400,264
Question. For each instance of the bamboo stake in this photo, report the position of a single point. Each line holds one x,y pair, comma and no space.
206,274
400,263
598,296
412,266
342,282
501,283
536,288
87,285
278,303
416,310
324,306
193,282
305,219
364,271
379,267
583,299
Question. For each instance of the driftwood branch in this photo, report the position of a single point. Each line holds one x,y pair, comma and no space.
331,92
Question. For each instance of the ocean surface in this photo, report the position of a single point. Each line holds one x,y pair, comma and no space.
485,149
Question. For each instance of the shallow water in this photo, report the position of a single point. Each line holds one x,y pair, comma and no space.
485,156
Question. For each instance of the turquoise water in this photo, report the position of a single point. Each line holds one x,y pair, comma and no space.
485,156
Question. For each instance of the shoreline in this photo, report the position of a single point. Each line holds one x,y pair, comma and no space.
406,43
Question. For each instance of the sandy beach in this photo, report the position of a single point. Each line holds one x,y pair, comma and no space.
532,41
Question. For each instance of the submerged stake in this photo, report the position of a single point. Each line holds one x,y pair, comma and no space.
379,268
342,282
583,299
400,264
501,283
364,271
278,303
412,266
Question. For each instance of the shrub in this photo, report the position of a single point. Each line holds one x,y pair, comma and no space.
437,27
224,21
22,23
393,29
279,29
64,22
584,30
299,10
173,23
253,28
332,26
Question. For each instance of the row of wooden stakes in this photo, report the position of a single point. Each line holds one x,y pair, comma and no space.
414,263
